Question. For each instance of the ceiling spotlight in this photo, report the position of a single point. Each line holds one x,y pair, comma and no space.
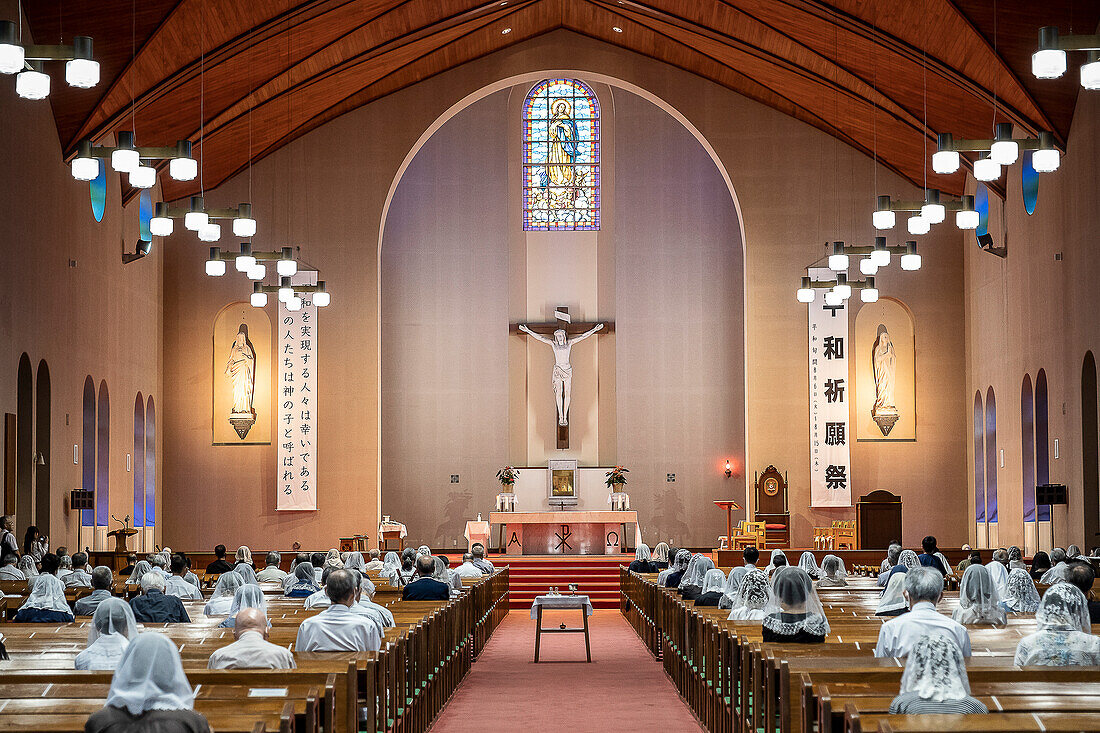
617,29
506,31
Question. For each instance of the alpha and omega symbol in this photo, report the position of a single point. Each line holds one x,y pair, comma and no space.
514,540
563,536
612,539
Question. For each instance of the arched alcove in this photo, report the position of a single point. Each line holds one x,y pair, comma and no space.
150,465
991,458
139,461
87,450
103,458
24,439
42,403
1042,440
1027,448
1090,449
979,459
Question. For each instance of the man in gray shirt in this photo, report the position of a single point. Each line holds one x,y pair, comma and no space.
101,585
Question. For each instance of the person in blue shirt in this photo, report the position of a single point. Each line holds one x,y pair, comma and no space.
929,559
153,606
425,588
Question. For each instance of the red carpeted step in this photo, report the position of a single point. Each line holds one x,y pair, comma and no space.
596,576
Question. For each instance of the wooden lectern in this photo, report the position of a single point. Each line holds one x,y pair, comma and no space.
120,536
729,505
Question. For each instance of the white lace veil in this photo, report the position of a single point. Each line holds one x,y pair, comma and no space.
809,563
1022,596
714,580
140,569
423,550
47,594
244,555
754,593
227,584
943,559
355,562
909,559
112,616
833,567
1072,551
999,574
678,562
642,552
697,570
248,596
332,559
150,677
892,598
1063,608
660,552
26,564
793,593
771,562
733,584
935,670
248,575
977,591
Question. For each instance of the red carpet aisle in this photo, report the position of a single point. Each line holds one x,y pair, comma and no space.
623,688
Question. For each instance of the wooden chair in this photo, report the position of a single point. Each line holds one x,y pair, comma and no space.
844,534
749,533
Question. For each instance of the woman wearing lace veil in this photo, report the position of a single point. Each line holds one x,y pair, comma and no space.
26,564
222,599
247,596
752,597
248,575
832,568
141,568
46,602
355,561
1022,596
305,583
113,628
332,559
1063,638
935,680
733,583
149,692
1016,559
692,584
907,560
809,563
643,560
795,614
243,556
660,555
999,574
893,601
714,586
979,601
671,577
778,559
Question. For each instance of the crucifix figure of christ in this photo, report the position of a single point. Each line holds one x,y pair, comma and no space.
560,335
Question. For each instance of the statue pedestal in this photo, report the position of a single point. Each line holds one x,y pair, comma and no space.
885,420
242,422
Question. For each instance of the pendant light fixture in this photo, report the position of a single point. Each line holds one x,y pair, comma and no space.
201,220
291,295
1050,62
838,291
249,260
126,157
27,62
932,210
877,255
992,152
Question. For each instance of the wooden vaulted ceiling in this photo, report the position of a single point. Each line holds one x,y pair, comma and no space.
884,76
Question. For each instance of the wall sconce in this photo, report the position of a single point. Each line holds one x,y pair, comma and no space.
729,469
141,249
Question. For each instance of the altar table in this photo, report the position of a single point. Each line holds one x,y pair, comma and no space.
565,532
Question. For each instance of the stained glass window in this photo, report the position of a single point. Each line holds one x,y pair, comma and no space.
561,157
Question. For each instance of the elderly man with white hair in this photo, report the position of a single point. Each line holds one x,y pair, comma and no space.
272,573
79,577
467,569
375,560
366,605
338,628
480,561
153,606
251,650
160,565
923,590
9,567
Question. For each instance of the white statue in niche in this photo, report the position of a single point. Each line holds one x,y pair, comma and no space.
241,371
884,361
562,376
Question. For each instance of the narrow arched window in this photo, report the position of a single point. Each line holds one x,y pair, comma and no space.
979,459
87,452
150,463
139,461
1042,439
1027,447
103,457
561,157
991,458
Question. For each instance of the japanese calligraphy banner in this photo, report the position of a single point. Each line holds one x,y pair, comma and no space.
830,463
297,393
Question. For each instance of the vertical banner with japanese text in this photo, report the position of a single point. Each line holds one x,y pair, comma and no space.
830,461
297,394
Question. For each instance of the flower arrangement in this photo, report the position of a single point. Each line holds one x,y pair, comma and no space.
616,478
507,477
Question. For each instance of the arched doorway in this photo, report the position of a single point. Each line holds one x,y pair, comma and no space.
1090,450
24,460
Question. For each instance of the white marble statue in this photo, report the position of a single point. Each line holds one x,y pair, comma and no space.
885,364
563,371
241,371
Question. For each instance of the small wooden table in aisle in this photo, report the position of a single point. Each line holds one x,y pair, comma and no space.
581,603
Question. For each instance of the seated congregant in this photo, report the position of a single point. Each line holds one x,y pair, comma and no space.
375,562
366,605
355,561
28,567
467,569
9,567
928,558
751,556
893,601
222,598
140,569
152,606
444,574
935,681
131,560
643,560
751,598
243,557
177,584
317,560
251,650
1040,564
338,628
892,554
778,560
1064,637
65,567
1082,575
320,599
1016,559
102,578
998,571
478,551
714,583
974,558
923,590
245,597
832,567
907,560
671,577
272,573
660,556
220,565
304,584
733,584
795,614
79,577
247,573
46,602
1058,571
302,558
979,601
149,692
425,587
809,564
1022,596
691,586
113,628
50,564
160,565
